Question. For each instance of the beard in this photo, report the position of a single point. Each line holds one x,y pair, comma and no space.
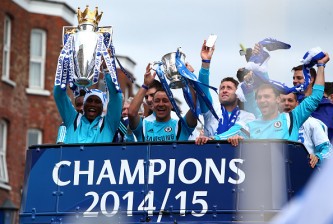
230,102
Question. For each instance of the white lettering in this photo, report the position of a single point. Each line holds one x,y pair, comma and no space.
128,174
125,169
55,173
89,172
236,170
152,171
197,173
210,165
106,172
172,171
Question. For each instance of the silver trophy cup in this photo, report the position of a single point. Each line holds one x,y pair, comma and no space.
170,69
85,42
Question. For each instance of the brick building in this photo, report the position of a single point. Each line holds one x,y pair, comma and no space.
30,39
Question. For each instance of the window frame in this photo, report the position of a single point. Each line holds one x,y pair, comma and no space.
38,89
7,32
39,137
3,153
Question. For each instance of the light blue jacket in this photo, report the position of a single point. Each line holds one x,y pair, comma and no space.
79,129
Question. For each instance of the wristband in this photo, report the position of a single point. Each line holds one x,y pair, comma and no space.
321,64
206,61
144,86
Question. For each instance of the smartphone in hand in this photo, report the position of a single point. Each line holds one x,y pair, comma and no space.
211,40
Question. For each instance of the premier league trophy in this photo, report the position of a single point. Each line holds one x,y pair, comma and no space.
80,59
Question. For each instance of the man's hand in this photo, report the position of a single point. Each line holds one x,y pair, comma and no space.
103,65
324,60
189,67
313,160
248,78
149,76
234,140
202,140
207,52
256,49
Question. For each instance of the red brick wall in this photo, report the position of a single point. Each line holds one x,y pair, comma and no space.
21,110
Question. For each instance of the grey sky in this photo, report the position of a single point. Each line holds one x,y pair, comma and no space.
146,30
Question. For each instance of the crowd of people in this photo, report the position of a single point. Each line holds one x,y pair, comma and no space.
265,114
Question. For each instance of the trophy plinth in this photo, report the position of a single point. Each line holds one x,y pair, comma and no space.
171,72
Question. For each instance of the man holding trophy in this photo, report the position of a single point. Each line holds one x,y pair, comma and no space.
79,67
159,126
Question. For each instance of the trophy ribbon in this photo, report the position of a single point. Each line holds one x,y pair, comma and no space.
190,78
102,51
64,65
190,102
166,87
130,77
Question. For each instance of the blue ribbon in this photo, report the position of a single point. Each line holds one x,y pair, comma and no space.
110,64
107,39
189,100
64,64
190,78
130,77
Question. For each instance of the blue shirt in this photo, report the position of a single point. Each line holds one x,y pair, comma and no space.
150,130
278,128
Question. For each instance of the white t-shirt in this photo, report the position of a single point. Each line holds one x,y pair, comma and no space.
312,133
211,124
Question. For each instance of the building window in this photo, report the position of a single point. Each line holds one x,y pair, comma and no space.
3,145
34,137
37,62
6,51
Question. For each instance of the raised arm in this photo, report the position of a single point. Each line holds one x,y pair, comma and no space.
114,107
310,103
320,79
64,105
191,119
133,110
206,56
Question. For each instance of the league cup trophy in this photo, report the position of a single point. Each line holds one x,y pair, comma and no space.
171,71
84,46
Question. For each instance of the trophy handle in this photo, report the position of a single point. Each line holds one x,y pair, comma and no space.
66,32
153,64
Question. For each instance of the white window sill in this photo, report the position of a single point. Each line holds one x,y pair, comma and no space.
8,81
5,186
41,92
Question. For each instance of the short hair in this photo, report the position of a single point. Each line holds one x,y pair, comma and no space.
294,94
241,73
230,79
328,88
155,84
313,72
160,90
267,86
81,93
